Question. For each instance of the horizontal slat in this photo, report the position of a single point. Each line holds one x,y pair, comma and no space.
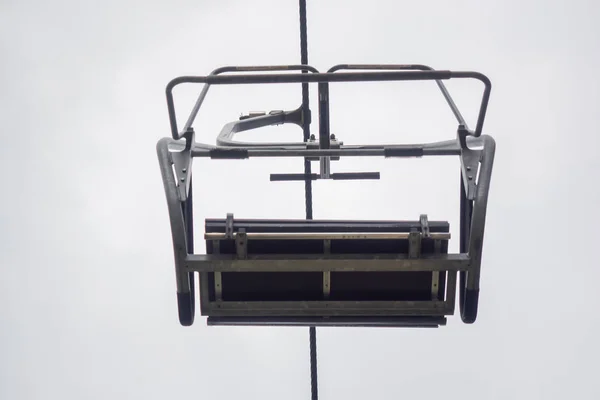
342,308
334,176
322,226
332,262
396,322
323,236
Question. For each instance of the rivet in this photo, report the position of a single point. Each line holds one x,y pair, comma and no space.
184,170
470,177
182,179
468,168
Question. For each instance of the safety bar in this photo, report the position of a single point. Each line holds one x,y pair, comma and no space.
174,131
321,78
475,150
419,67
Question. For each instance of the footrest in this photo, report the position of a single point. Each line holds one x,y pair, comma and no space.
392,322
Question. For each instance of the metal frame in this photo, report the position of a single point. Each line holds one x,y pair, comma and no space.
476,153
327,312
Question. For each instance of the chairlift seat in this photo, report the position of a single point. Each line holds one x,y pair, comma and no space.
353,283
323,272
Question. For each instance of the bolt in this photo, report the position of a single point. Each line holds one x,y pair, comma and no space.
332,137
312,137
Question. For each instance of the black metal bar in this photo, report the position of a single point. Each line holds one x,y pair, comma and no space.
323,226
406,151
228,154
343,176
477,210
322,77
421,67
334,262
174,132
484,100
392,322
430,149
313,362
351,151
294,177
322,308
188,216
335,176
233,153
324,138
331,152
466,214
330,77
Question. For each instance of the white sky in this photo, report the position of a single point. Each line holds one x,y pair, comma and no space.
88,287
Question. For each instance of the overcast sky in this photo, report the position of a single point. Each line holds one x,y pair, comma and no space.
87,291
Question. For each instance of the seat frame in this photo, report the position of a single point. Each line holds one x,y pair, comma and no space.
327,251
175,154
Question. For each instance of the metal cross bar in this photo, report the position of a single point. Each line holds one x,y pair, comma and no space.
324,78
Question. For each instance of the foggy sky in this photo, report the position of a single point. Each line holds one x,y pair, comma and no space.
88,286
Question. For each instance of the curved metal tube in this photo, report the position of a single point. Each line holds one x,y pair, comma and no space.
443,89
419,67
473,226
180,242
225,138
330,77
171,107
477,230
442,148
485,98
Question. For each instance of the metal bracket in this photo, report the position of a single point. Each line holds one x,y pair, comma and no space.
424,225
293,117
325,168
252,114
325,162
218,277
182,162
229,226
241,244
325,165
470,168
435,278
461,133
334,144
414,244
313,144
326,274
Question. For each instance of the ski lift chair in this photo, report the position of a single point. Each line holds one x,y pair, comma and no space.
325,272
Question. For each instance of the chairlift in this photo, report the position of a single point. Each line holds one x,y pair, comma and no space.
307,272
